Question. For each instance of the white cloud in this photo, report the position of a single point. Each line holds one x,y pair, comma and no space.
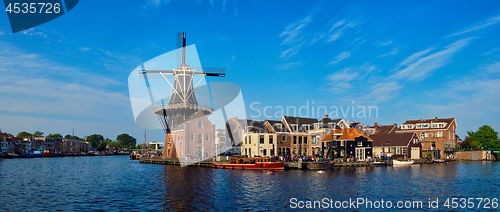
478,26
340,57
339,29
393,52
292,32
493,68
419,68
383,92
386,43
290,51
340,81
84,49
415,56
32,84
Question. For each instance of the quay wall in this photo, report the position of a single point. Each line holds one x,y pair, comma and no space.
476,155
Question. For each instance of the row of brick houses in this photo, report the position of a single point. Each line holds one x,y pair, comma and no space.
302,136
198,138
423,136
15,145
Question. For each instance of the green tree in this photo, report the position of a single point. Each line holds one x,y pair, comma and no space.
37,134
469,143
483,136
108,141
115,144
10,135
68,136
57,135
23,134
95,139
125,140
102,146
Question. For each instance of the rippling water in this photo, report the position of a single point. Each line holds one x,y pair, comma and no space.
114,183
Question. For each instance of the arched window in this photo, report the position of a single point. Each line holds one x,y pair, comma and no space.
199,124
200,138
207,137
192,136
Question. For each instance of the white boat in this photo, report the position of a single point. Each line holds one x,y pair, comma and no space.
438,161
402,162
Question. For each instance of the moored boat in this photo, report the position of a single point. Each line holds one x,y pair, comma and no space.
32,154
320,165
437,161
255,163
402,162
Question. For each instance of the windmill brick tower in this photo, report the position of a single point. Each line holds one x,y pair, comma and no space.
189,133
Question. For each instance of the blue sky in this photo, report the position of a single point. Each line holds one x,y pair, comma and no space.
411,59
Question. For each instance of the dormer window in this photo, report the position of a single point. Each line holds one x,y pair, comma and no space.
305,127
279,126
317,125
294,127
331,125
249,128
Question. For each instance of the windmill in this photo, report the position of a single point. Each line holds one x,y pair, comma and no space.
182,104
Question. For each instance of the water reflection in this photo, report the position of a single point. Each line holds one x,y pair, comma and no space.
115,183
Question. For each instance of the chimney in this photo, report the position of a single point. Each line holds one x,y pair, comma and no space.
375,126
436,117
326,115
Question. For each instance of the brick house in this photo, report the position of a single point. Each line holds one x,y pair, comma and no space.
192,139
259,140
436,135
400,145
344,143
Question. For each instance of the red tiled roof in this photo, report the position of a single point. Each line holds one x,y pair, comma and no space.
347,134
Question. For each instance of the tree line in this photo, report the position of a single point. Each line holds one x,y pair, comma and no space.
484,137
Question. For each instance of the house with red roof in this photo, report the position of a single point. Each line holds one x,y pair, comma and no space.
344,143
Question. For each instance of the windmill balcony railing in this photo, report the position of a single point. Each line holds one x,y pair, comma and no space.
182,106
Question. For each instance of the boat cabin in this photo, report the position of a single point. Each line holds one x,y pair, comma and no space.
252,160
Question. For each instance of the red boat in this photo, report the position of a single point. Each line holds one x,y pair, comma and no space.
256,163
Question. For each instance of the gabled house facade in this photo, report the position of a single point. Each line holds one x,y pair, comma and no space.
436,135
399,145
344,143
259,140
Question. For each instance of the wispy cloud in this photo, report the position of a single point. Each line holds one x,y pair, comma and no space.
291,51
418,67
341,81
478,26
386,43
287,66
382,92
293,31
493,68
84,49
338,30
340,57
393,52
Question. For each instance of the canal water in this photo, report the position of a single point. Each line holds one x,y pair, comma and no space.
114,183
